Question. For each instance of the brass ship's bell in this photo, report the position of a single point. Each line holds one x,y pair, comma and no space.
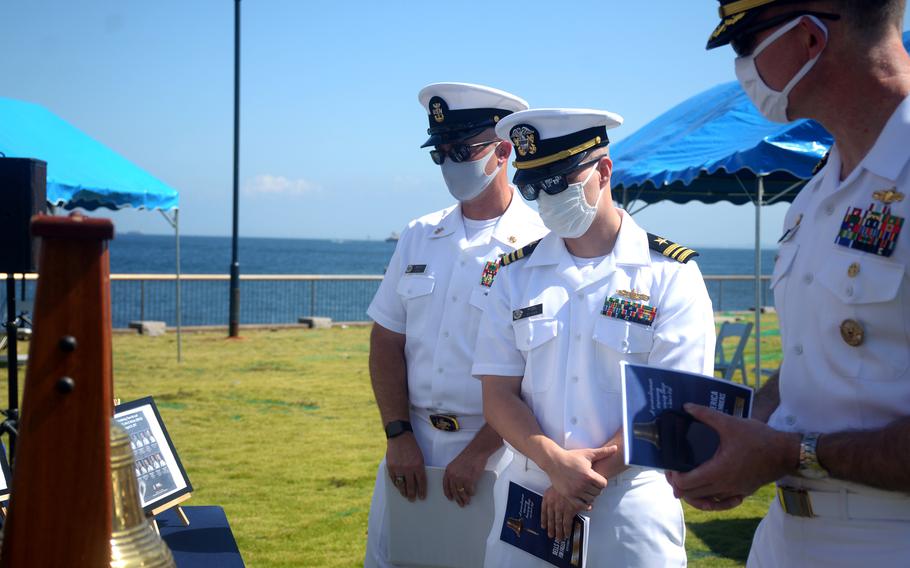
134,542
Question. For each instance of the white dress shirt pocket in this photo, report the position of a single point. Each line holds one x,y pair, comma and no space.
416,293
534,338
479,297
860,278
618,340
410,287
866,293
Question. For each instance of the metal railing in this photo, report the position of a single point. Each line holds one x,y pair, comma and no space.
283,298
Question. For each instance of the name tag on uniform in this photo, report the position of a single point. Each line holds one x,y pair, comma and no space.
527,312
415,269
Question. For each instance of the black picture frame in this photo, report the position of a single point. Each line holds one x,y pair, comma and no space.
6,477
159,471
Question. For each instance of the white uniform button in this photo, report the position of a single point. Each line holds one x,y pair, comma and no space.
577,337
808,278
581,296
575,378
445,333
829,209
438,404
625,344
463,263
454,298
849,291
798,349
791,420
440,370
574,421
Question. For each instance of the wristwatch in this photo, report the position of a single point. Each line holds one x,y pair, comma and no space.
396,428
809,466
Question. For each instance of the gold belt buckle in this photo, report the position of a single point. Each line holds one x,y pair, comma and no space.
795,502
445,422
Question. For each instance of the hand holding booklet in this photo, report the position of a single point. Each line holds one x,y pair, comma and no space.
658,433
521,528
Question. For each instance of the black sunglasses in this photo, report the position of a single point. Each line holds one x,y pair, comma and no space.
552,185
745,43
459,152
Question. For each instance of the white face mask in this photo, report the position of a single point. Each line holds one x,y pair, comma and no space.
567,213
467,180
772,104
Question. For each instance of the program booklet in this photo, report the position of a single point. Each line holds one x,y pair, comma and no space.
658,433
521,528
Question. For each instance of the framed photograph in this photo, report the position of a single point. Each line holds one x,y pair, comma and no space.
162,480
5,476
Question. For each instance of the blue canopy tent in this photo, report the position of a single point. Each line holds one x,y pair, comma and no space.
83,173
714,147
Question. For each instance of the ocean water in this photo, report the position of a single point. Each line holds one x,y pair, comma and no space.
206,302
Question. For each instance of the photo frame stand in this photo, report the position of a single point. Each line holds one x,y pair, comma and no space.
169,505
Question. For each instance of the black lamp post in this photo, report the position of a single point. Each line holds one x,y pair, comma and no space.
234,321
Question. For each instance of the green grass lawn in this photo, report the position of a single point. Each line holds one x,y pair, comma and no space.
281,429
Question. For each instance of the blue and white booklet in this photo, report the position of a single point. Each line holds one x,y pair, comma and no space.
521,528
657,432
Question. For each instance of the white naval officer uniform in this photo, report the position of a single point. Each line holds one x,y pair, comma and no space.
845,328
569,356
433,294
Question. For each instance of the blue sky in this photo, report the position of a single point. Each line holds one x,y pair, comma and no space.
331,127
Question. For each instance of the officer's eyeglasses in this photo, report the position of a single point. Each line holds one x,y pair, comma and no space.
459,152
745,43
552,185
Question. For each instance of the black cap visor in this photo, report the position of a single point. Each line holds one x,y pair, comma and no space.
534,175
453,136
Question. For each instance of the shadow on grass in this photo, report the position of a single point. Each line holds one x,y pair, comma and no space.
727,538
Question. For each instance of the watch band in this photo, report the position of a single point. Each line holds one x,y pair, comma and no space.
396,428
809,466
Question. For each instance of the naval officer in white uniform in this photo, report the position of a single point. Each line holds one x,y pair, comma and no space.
832,429
429,305
565,312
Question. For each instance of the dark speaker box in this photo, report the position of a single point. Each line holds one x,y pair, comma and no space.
23,193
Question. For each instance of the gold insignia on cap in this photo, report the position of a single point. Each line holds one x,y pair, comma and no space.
438,115
851,331
888,196
633,295
524,138
727,23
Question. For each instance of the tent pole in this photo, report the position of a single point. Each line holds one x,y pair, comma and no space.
758,290
179,305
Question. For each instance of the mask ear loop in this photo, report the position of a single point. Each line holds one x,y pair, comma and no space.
809,64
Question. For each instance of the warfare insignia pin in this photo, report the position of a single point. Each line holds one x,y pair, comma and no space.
629,311
872,231
633,295
888,196
524,138
438,108
489,273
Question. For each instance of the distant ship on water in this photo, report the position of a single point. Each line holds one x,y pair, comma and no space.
393,238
